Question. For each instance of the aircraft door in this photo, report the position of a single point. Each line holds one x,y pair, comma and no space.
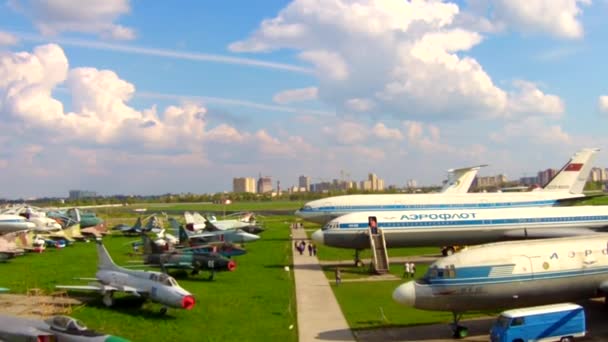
523,265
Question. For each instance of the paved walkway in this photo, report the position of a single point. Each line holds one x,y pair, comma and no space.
319,315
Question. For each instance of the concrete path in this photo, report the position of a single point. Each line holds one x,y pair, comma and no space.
319,315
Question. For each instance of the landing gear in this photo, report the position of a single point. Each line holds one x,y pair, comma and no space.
163,310
458,331
108,299
358,262
447,250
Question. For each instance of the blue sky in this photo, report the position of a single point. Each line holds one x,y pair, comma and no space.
131,97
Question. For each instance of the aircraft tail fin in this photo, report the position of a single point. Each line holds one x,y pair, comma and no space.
183,235
137,225
104,259
573,176
460,180
149,246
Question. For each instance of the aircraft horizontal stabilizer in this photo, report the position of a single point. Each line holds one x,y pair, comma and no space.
546,233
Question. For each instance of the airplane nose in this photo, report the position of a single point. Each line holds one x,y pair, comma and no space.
405,294
231,265
250,237
318,237
188,302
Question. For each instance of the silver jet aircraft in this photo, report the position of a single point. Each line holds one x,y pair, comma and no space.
158,287
510,275
54,329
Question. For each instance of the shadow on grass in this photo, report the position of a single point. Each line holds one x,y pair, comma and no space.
127,305
336,335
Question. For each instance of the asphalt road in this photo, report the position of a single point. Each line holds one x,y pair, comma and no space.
597,327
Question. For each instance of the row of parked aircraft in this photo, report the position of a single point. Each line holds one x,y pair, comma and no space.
569,262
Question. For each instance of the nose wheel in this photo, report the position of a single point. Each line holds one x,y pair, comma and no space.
108,299
458,331
358,262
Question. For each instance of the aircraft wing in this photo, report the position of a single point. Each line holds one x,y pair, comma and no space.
87,287
546,233
102,288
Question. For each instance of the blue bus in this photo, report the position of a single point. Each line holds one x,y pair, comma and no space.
556,322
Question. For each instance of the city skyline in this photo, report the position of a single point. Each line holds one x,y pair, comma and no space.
124,96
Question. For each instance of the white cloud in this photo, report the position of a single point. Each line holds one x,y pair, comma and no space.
7,39
296,95
328,64
536,130
404,58
528,99
359,105
52,17
347,132
603,103
383,132
559,18
100,114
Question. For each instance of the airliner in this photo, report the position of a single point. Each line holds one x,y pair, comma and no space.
462,226
510,275
568,183
14,223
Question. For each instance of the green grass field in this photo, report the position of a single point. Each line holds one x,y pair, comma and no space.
254,303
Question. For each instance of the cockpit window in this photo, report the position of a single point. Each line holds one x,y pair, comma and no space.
66,323
306,207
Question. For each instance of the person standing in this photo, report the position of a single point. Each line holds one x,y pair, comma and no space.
338,276
406,269
314,250
310,249
413,270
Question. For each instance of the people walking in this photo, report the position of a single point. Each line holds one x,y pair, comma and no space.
338,276
406,269
310,249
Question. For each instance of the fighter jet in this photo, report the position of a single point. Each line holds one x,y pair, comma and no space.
126,229
185,259
232,236
158,287
57,328
246,222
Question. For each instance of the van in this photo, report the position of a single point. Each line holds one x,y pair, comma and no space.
556,322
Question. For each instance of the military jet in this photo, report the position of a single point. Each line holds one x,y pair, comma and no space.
158,287
246,222
57,328
204,237
126,229
185,259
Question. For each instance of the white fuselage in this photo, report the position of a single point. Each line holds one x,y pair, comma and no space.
13,223
323,210
158,286
463,226
512,274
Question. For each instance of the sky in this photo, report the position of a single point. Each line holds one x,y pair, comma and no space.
134,97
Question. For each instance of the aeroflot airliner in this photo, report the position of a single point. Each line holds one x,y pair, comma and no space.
512,274
568,183
463,226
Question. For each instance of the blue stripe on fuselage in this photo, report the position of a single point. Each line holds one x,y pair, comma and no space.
475,276
485,222
394,207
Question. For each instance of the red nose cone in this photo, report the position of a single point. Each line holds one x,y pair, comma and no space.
188,302
231,265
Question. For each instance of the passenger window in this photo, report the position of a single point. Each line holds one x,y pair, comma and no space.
517,321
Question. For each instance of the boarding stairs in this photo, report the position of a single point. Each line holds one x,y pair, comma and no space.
379,253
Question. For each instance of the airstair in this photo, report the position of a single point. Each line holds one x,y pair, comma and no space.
379,253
